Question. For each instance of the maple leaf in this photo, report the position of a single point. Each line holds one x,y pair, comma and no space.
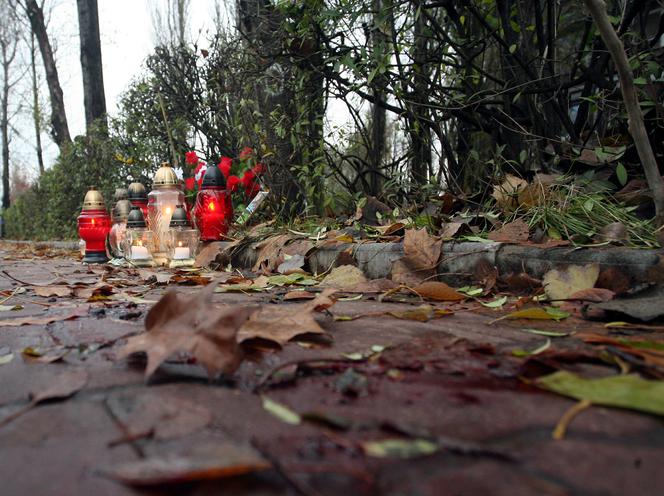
191,324
280,324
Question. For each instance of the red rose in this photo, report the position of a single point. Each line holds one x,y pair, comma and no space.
252,190
189,183
259,169
232,183
248,178
225,166
191,158
246,153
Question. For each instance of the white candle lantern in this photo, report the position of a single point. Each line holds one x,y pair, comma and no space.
183,239
138,241
162,200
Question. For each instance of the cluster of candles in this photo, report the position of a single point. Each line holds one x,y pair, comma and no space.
155,228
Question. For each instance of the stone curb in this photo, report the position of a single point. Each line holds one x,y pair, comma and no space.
458,259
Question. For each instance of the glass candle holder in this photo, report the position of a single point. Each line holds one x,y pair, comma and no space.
138,240
213,210
162,201
183,239
94,224
119,228
138,197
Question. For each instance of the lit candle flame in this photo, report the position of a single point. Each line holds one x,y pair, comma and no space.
211,206
93,222
140,243
179,244
167,210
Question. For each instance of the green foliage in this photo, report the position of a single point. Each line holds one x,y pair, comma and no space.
49,209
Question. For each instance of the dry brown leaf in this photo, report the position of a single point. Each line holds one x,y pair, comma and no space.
43,320
299,295
269,255
205,461
190,280
153,277
51,291
101,291
439,291
513,232
595,295
560,284
282,323
506,194
420,260
191,324
423,313
373,286
344,277
292,265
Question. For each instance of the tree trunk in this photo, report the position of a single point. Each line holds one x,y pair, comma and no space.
637,129
36,111
91,65
59,126
420,134
378,113
8,41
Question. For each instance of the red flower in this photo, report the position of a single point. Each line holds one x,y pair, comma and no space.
246,153
252,190
232,183
259,169
225,166
189,183
248,178
191,158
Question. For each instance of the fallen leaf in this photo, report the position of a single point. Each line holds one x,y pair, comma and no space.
191,324
506,194
519,283
152,277
560,284
536,313
344,277
623,391
45,356
269,255
373,286
51,291
536,351
595,295
512,232
293,264
41,320
615,232
280,411
6,358
420,261
552,334
95,293
423,313
399,448
496,303
438,291
190,280
281,323
299,295
644,305
204,462
9,308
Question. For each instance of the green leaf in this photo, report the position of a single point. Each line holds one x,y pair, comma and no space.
280,411
621,173
513,48
640,81
551,334
470,290
536,351
399,448
497,303
621,391
4,359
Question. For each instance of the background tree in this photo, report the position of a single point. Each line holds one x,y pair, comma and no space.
91,62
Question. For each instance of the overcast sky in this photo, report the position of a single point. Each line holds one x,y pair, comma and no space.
127,38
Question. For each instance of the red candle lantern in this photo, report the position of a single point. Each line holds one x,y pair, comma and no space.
94,224
138,197
213,211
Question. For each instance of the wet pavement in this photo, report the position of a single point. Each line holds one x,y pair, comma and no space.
452,382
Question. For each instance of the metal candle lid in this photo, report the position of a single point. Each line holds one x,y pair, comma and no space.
121,210
120,194
165,177
136,192
179,217
93,200
135,218
213,178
